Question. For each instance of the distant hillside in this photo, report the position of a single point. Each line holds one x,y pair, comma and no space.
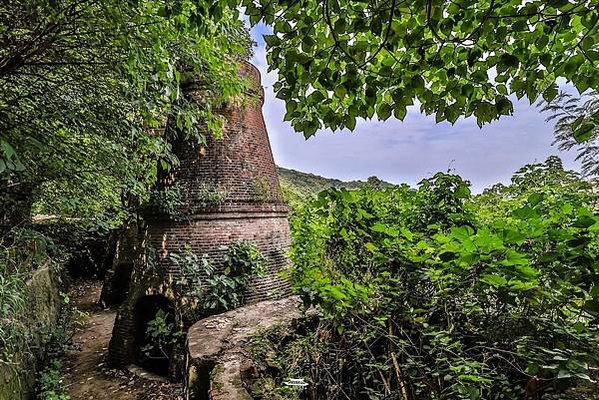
299,186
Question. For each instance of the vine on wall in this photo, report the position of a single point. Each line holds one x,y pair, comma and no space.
213,289
171,201
211,195
262,190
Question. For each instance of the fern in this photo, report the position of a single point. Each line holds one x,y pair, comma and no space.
567,111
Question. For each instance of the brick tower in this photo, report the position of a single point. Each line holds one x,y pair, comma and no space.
226,190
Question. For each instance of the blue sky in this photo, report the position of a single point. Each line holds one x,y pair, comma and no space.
413,149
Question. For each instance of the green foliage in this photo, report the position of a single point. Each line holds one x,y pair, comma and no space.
299,188
243,261
339,60
225,292
577,127
244,258
51,386
283,353
171,200
193,269
217,291
166,201
261,189
211,195
291,196
13,304
161,335
21,252
87,88
432,293
28,249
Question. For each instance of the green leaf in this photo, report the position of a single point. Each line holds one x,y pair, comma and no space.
381,228
527,271
340,91
462,233
400,111
7,149
584,132
535,199
592,306
525,213
384,111
371,247
550,93
494,280
272,40
463,192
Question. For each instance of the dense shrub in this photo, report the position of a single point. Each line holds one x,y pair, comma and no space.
433,293
51,385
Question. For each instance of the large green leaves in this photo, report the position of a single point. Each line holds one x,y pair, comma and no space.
87,87
477,293
456,58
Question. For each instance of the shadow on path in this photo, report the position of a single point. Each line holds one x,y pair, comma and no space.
85,374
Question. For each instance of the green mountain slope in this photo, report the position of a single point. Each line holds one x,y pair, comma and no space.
298,187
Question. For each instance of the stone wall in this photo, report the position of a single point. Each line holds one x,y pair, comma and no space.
216,361
17,382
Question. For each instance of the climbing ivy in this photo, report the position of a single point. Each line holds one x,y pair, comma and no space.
261,190
211,195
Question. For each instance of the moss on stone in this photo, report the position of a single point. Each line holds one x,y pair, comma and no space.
17,379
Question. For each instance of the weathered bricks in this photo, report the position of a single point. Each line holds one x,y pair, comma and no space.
230,192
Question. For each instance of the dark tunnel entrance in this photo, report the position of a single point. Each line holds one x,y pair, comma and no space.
155,329
121,282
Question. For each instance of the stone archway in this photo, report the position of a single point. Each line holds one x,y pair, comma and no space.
154,324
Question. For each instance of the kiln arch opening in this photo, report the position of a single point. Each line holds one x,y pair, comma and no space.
155,333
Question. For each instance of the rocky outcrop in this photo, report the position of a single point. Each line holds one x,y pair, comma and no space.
216,360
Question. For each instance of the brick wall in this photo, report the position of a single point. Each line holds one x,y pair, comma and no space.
241,166
210,235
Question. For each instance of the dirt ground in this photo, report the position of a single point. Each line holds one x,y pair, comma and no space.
85,374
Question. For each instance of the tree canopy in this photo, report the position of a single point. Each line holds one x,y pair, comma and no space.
572,128
339,60
84,83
